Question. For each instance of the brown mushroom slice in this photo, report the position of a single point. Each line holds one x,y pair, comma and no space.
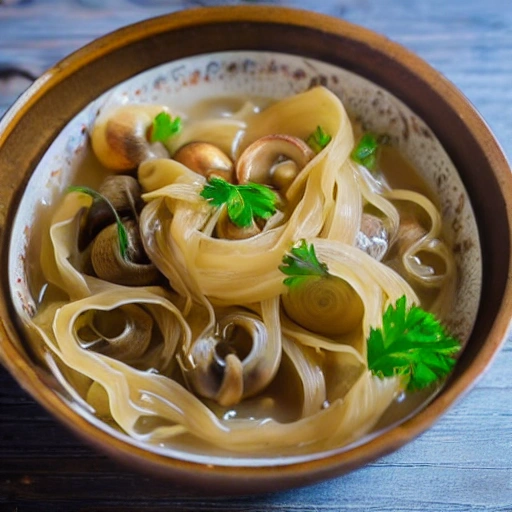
283,173
410,232
123,333
238,362
257,163
226,229
110,265
123,193
205,159
120,137
372,237
419,255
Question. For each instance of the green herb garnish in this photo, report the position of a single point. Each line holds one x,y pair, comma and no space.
318,139
412,344
121,230
164,127
244,203
301,263
365,153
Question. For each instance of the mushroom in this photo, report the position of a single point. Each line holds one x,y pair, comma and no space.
416,254
259,162
205,159
372,237
237,361
120,138
123,193
283,173
123,333
132,270
409,233
225,228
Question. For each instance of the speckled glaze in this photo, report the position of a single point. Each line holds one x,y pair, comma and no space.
258,51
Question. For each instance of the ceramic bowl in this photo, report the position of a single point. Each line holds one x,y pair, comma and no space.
266,52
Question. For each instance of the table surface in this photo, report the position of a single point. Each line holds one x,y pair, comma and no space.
464,463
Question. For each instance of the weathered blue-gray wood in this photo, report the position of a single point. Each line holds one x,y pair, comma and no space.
463,464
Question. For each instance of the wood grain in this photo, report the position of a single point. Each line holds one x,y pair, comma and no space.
463,464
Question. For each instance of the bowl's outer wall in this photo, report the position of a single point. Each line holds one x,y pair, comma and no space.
31,125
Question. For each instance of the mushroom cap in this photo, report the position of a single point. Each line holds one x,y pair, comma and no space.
373,237
257,162
205,159
109,264
225,228
120,137
124,194
236,362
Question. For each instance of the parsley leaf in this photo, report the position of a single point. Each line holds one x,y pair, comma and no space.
164,127
244,203
412,344
301,263
121,230
318,139
365,153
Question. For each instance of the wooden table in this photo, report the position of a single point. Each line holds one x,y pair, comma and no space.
462,464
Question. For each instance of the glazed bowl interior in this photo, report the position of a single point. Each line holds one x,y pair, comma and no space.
258,53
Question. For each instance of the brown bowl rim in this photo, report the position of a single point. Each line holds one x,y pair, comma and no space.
231,479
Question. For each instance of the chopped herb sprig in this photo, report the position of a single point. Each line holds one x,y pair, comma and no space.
365,153
318,140
244,203
302,263
164,127
413,344
121,230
